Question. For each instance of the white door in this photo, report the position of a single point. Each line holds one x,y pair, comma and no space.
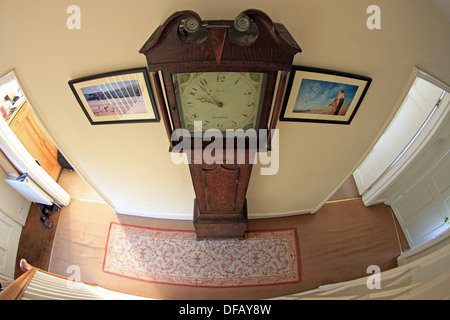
9,242
425,209
416,108
420,198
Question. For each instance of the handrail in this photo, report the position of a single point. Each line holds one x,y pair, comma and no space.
37,284
16,289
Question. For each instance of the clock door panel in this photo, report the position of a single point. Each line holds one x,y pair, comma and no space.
220,187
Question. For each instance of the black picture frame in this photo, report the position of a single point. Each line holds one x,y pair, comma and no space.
314,95
123,96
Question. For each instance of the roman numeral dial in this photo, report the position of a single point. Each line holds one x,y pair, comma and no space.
221,100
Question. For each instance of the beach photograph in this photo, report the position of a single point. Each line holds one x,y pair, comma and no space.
122,96
324,97
116,98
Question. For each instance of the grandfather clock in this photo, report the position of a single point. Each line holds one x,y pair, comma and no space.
227,74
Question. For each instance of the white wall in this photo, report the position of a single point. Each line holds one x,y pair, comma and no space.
129,164
12,203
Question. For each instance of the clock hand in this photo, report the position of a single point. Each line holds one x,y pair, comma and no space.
206,100
217,103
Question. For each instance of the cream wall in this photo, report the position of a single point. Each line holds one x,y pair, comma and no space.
129,164
12,204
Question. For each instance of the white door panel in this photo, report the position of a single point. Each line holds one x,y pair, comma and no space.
9,242
409,167
423,209
416,108
415,201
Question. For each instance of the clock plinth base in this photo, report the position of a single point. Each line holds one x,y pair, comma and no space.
220,226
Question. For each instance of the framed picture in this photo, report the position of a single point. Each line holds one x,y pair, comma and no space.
318,95
116,97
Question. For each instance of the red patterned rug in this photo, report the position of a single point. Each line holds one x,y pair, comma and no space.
175,257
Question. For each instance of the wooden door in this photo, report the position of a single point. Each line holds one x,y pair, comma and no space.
36,141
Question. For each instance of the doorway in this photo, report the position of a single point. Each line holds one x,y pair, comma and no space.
25,148
408,168
26,143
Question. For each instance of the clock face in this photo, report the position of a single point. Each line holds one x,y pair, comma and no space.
220,100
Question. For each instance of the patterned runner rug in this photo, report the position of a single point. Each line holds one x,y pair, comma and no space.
175,257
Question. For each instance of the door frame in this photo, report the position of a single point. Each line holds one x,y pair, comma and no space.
19,156
371,195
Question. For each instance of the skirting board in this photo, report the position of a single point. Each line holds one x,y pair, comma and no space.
157,215
190,216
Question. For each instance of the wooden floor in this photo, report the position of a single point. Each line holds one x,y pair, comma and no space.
336,244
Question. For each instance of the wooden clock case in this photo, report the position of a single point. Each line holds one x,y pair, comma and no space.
250,43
